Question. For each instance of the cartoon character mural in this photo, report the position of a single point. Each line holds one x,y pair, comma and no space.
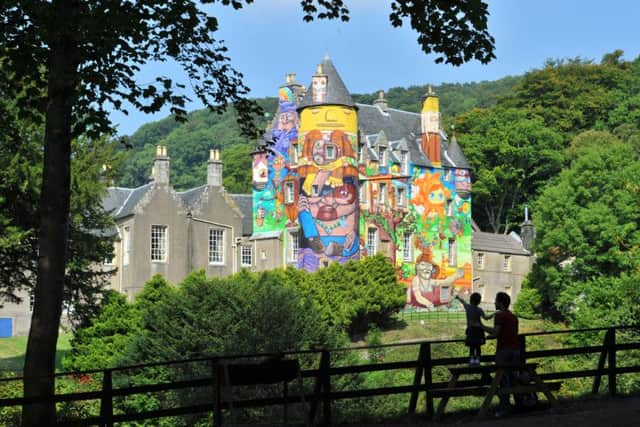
328,208
442,239
270,171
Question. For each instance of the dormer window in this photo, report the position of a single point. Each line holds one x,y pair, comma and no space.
382,155
404,163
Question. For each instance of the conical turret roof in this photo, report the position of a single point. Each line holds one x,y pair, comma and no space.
337,93
455,153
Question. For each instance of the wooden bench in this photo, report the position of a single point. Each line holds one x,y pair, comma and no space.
490,387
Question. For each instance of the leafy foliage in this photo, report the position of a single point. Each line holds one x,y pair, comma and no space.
587,222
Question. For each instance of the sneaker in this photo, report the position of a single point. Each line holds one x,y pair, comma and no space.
472,361
476,361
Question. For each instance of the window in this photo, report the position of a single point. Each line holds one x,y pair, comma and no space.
360,153
362,192
126,242
453,252
289,192
382,193
372,240
447,175
293,154
449,207
216,246
246,256
330,152
404,162
480,261
382,155
400,202
406,251
314,190
159,243
506,264
294,246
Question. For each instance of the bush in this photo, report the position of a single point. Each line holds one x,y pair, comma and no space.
528,304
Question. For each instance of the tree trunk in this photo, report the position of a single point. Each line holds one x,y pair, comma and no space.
39,366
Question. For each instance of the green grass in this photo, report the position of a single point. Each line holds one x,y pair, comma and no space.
12,352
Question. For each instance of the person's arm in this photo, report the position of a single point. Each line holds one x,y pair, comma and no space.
486,316
495,331
464,303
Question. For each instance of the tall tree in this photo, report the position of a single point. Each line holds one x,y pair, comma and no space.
512,154
84,56
587,222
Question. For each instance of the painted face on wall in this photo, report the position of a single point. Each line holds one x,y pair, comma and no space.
436,196
287,121
333,206
260,172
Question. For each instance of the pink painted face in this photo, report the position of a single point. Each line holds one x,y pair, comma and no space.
287,121
335,205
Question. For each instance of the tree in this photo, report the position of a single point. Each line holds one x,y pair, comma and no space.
512,153
93,51
587,223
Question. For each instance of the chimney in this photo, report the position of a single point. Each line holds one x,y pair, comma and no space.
214,169
527,232
160,170
430,125
381,102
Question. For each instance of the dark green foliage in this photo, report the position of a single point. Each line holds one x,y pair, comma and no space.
588,227
528,303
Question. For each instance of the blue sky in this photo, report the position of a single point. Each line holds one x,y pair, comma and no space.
268,39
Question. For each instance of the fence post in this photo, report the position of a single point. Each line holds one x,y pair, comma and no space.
417,377
428,379
611,348
106,403
603,356
217,401
522,344
325,379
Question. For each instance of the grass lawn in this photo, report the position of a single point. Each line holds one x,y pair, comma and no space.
12,352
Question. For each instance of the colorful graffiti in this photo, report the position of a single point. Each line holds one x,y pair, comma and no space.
328,207
271,212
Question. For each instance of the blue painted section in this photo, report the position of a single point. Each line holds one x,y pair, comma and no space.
6,327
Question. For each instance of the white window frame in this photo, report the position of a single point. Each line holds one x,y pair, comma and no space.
404,163
294,245
447,175
382,190
506,263
480,261
382,155
372,241
126,243
294,154
407,249
449,207
453,253
401,197
361,153
216,255
246,255
315,190
289,192
362,193
159,243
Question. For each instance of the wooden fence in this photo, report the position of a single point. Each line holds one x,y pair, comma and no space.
321,396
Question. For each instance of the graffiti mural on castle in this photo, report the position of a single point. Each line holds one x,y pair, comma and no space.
271,212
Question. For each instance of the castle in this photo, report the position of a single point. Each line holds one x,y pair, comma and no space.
340,181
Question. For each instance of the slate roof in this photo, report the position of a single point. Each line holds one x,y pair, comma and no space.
396,124
337,93
245,204
498,243
454,152
122,201
190,197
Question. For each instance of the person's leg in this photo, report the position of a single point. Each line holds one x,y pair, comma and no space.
506,357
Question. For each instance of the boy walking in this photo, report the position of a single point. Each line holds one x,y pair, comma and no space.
474,332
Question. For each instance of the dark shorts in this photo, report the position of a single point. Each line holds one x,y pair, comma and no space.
475,336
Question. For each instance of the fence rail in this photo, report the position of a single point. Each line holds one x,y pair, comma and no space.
322,396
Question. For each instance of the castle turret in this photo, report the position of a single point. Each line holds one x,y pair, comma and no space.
327,170
430,127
